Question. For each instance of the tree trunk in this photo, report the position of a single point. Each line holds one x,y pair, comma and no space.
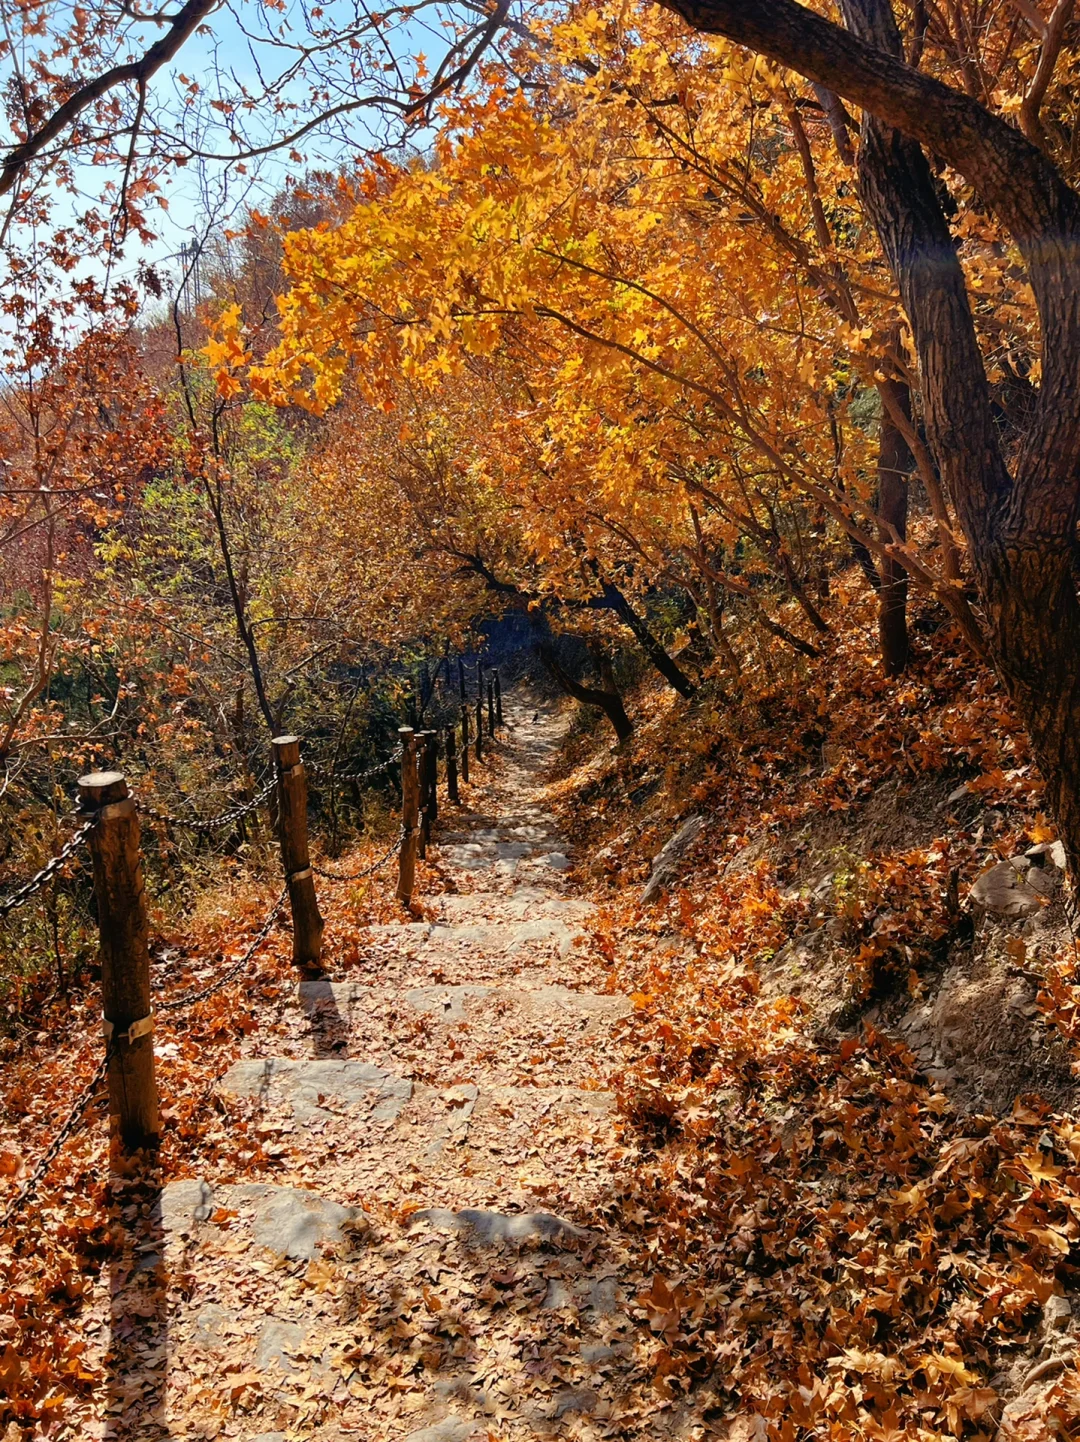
895,462
664,664
1020,527
609,701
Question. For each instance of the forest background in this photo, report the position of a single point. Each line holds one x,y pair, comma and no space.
597,321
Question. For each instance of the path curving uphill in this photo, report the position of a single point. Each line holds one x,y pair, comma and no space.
428,1259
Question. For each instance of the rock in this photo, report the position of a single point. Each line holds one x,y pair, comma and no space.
269,1437
604,1296
447,1003
294,1223
278,1340
573,1399
450,1429
209,1320
1048,853
542,930
595,1354
670,856
566,1003
182,1205
303,1083
1003,891
1057,1312
556,860
494,1228
558,1295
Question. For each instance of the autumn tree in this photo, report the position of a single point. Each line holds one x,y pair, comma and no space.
924,98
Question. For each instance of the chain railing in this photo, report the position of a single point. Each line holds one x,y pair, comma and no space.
110,828
28,1189
318,768
189,998
212,823
23,893
366,871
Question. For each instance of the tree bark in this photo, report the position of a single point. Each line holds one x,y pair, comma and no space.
609,701
1020,527
667,667
895,462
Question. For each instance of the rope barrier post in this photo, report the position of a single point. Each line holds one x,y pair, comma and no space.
479,728
433,778
410,811
125,956
498,700
423,771
451,767
465,743
491,707
292,832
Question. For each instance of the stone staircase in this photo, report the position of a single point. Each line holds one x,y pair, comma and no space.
427,1262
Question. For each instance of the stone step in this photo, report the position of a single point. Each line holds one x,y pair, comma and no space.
583,1010
304,1082
313,1088
291,1222
484,1228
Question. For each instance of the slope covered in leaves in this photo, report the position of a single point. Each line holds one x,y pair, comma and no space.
839,1247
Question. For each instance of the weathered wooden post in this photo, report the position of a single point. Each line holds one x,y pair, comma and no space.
479,727
451,767
498,699
433,778
125,956
410,811
423,770
461,679
292,832
465,744
491,706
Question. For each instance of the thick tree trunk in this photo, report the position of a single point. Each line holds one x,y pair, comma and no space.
1020,528
895,461
609,701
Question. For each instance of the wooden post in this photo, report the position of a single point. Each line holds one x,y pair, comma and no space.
498,700
461,679
451,767
292,832
479,728
410,811
423,771
465,744
125,956
433,777
491,707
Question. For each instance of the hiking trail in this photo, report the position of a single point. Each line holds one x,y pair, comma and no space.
429,1262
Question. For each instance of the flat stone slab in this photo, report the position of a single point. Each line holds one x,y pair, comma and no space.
450,1429
446,1002
304,1083
288,1220
497,1228
278,1342
292,1222
450,1003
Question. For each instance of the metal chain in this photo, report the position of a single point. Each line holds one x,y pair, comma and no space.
190,997
36,882
395,847
82,1101
212,823
317,769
